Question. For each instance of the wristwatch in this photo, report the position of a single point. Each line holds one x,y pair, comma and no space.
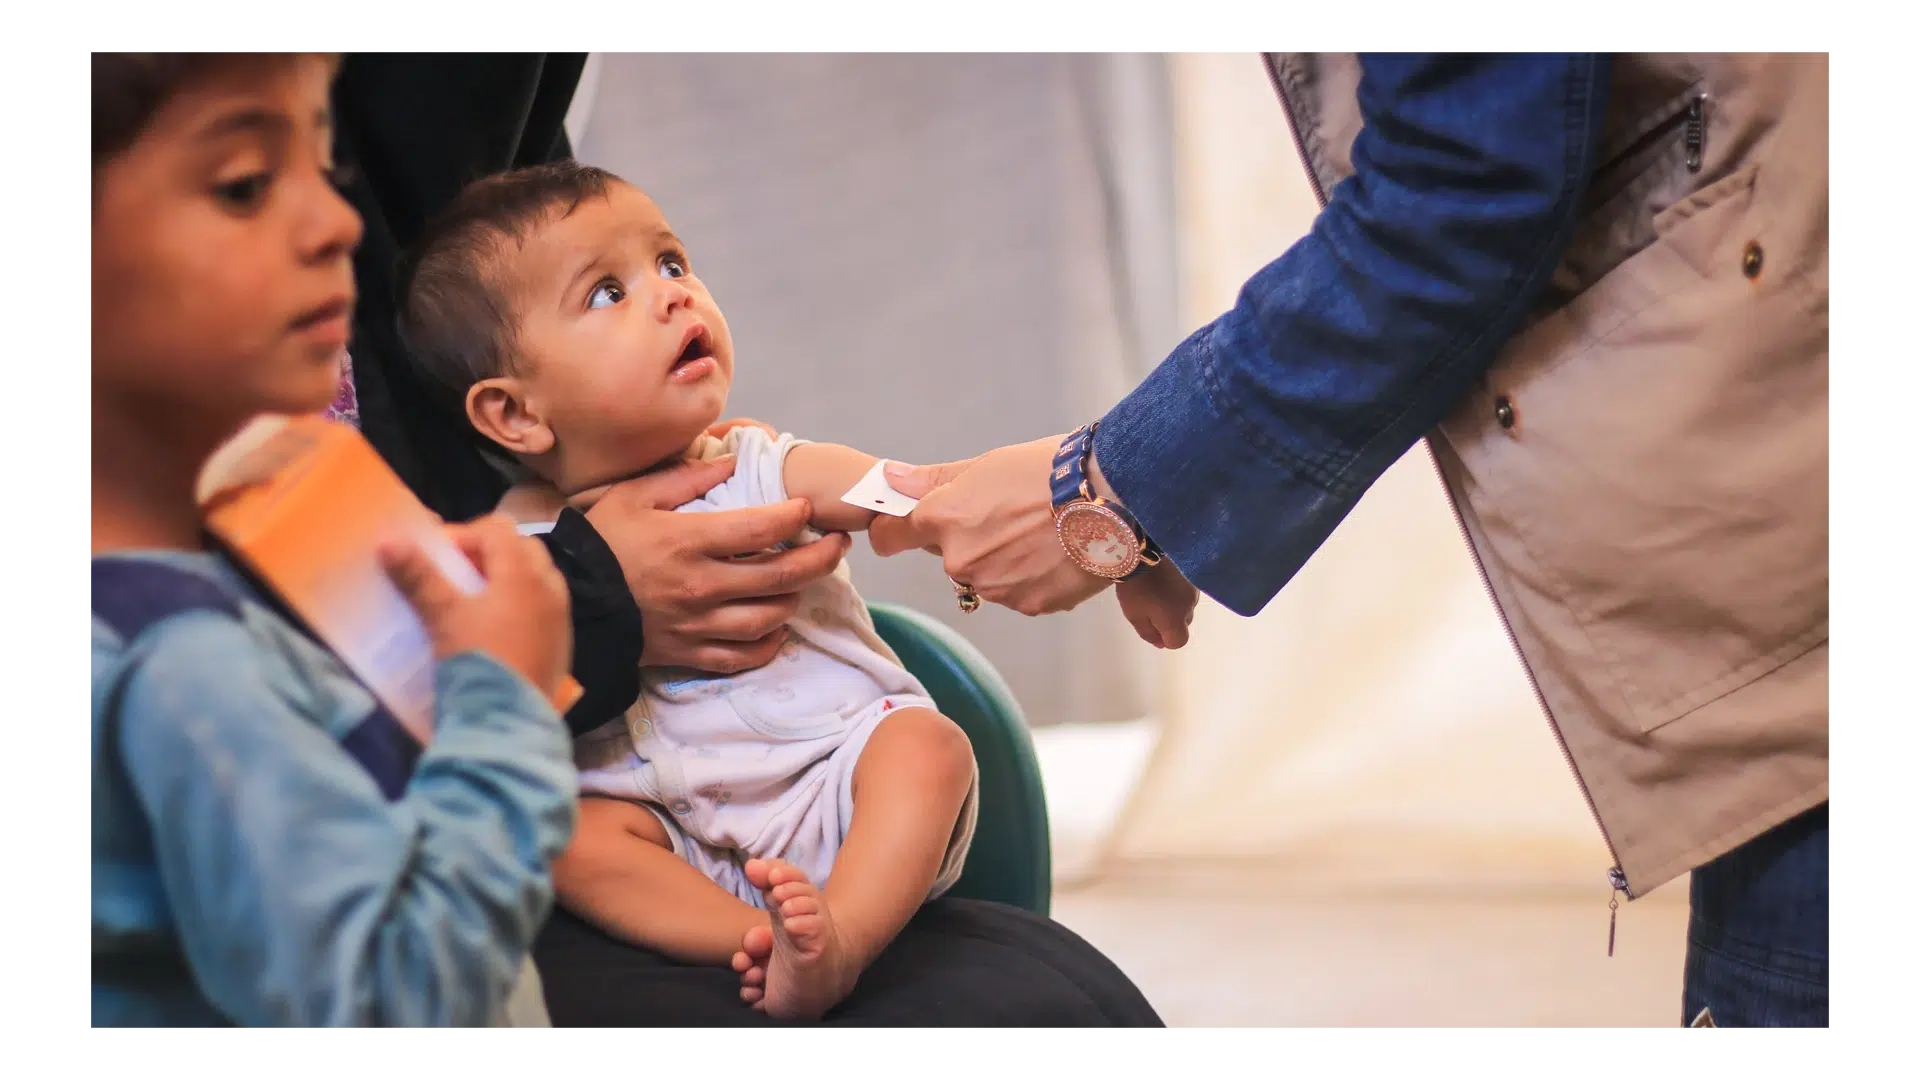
1100,536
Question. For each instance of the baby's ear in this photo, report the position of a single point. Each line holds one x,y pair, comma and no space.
501,410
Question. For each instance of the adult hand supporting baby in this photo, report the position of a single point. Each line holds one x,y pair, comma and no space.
703,607
990,519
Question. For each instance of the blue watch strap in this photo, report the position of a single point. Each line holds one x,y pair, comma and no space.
1070,469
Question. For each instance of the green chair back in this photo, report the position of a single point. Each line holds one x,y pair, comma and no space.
1011,860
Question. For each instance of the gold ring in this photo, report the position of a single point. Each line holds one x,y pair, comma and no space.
969,600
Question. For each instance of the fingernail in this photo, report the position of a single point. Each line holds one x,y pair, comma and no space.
897,469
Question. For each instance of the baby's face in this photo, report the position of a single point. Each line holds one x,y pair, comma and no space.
628,358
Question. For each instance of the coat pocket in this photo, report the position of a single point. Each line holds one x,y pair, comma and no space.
1663,472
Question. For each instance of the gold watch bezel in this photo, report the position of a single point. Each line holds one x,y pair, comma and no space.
1097,506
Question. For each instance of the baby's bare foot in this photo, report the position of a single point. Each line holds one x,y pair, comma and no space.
796,968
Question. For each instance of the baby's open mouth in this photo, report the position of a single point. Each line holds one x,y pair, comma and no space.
696,348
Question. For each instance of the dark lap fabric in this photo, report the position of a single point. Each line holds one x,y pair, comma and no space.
959,963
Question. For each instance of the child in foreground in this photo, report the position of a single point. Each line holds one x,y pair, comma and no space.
268,845
788,820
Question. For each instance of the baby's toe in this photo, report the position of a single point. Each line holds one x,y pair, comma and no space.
759,871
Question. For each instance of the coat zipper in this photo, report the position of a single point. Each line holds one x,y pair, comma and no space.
1688,122
1616,878
1696,131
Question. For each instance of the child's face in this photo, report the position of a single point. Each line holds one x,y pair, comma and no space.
222,255
628,359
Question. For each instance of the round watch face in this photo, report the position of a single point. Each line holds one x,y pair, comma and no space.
1098,540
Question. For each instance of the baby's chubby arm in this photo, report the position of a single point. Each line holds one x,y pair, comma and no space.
821,473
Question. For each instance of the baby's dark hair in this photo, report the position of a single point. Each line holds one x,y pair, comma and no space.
129,88
456,304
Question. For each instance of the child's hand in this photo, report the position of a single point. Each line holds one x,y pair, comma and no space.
519,619
1159,604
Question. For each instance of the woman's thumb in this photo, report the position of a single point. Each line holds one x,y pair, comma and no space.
918,481
684,483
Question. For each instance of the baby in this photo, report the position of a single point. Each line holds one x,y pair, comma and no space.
790,819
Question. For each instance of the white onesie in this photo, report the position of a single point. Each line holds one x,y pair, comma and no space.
760,764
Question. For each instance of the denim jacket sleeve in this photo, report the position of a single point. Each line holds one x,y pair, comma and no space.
301,896
1245,448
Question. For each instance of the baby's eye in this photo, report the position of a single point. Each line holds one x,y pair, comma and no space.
245,194
673,266
606,294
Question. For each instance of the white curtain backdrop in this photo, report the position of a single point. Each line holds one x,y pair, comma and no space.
1372,726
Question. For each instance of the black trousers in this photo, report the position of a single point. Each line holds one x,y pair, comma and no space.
959,963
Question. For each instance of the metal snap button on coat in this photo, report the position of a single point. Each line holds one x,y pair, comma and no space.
681,806
1751,261
1503,411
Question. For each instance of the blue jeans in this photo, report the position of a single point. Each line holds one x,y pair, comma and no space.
1757,944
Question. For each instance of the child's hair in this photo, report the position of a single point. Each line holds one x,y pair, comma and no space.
456,305
129,88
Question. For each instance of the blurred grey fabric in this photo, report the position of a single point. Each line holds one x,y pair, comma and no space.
923,256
